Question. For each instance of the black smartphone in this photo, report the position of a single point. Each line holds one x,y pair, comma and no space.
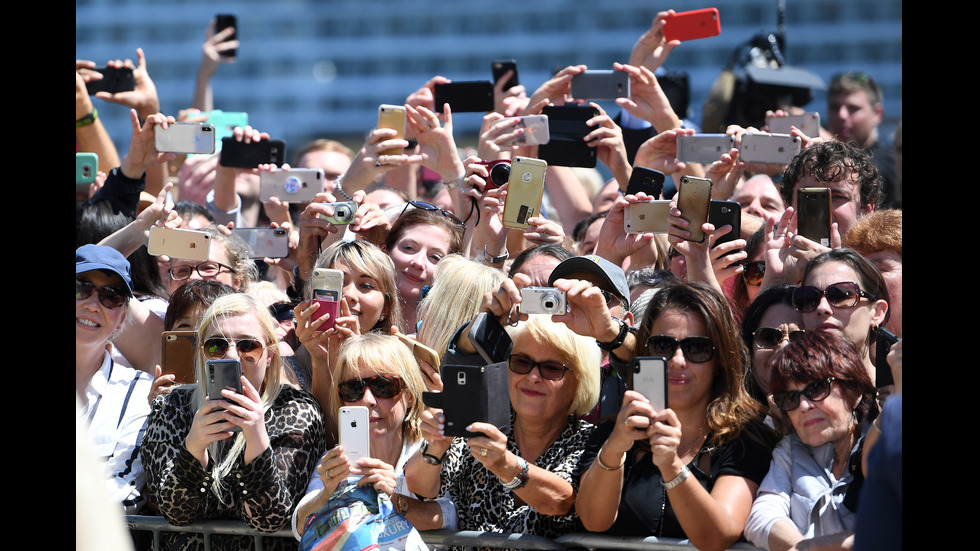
647,180
250,155
567,146
883,344
490,338
474,96
813,214
500,67
222,374
221,22
721,213
472,394
114,80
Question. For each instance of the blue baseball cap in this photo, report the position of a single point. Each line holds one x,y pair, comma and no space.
97,257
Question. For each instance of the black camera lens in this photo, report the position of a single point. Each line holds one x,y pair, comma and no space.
499,174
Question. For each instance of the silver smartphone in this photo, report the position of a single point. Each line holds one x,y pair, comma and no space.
649,375
185,137
296,185
703,148
265,242
808,123
647,216
776,149
355,436
535,129
179,243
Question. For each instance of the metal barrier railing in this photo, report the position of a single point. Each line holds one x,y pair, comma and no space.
435,538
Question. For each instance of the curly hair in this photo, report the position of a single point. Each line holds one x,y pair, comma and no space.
835,161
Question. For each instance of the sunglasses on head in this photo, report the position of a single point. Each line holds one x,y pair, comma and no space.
522,365
381,386
753,272
695,349
770,337
110,297
282,311
249,348
845,294
814,392
429,206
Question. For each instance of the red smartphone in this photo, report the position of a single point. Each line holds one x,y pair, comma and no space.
690,25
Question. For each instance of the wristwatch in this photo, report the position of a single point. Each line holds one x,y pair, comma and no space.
453,184
429,458
520,480
624,329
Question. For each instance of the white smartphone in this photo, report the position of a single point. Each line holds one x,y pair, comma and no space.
650,379
777,149
703,148
355,436
647,216
185,137
808,123
179,243
296,185
536,130
265,242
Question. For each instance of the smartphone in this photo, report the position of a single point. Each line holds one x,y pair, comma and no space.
86,167
327,283
647,216
265,242
500,67
814,214
490,338
649,378
421,352
343,213
693,199
567,127
525,188
647,180
465,96
185,137
883,344
472,394
114,80
778,149
222,374
238,154
296,185
355,436
691,25
535,127
601,85
808,123
543,300
179,243
392,116
703,148
721,213
177,355
221,22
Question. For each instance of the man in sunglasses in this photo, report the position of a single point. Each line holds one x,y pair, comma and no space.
111,397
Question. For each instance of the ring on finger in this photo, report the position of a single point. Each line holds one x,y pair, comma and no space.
483,452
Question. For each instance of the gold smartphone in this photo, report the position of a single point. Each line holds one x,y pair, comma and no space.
421,352
392,116
693,200
525,189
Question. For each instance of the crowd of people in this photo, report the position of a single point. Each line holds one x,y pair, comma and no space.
783,406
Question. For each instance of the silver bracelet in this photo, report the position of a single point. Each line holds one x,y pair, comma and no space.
520,480
681,477
337,185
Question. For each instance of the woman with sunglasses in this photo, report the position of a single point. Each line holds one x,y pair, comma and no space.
745,286
689,471
522,480
769,324
245,456
811,490
380,373
844,294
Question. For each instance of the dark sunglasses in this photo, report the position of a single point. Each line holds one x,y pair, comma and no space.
695,349
814,392
110,297
845,294
429,206
249,348
770,337
522,365
381,387
753,272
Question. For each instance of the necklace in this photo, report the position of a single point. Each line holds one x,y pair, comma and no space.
685,448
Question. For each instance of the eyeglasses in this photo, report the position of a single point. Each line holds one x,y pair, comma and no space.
695,349
382,386
249,348
282,311
522,365
753,272
770,337
814,392
845,294
110,297
429,206
204,269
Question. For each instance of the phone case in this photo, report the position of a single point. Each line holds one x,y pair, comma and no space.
296,185
490,338
86,167
649,378
703,148
421,352
472,394
601,85
185,137
177,356
647,216
265,242
721,213
808,123
179,243
693,198
327,283
474,96
566,147
114,80
222,374
883,345
238,154
355,435
535,129
691,25
501,66
525,188
647,180
814,214
221,22
778,149
392,116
